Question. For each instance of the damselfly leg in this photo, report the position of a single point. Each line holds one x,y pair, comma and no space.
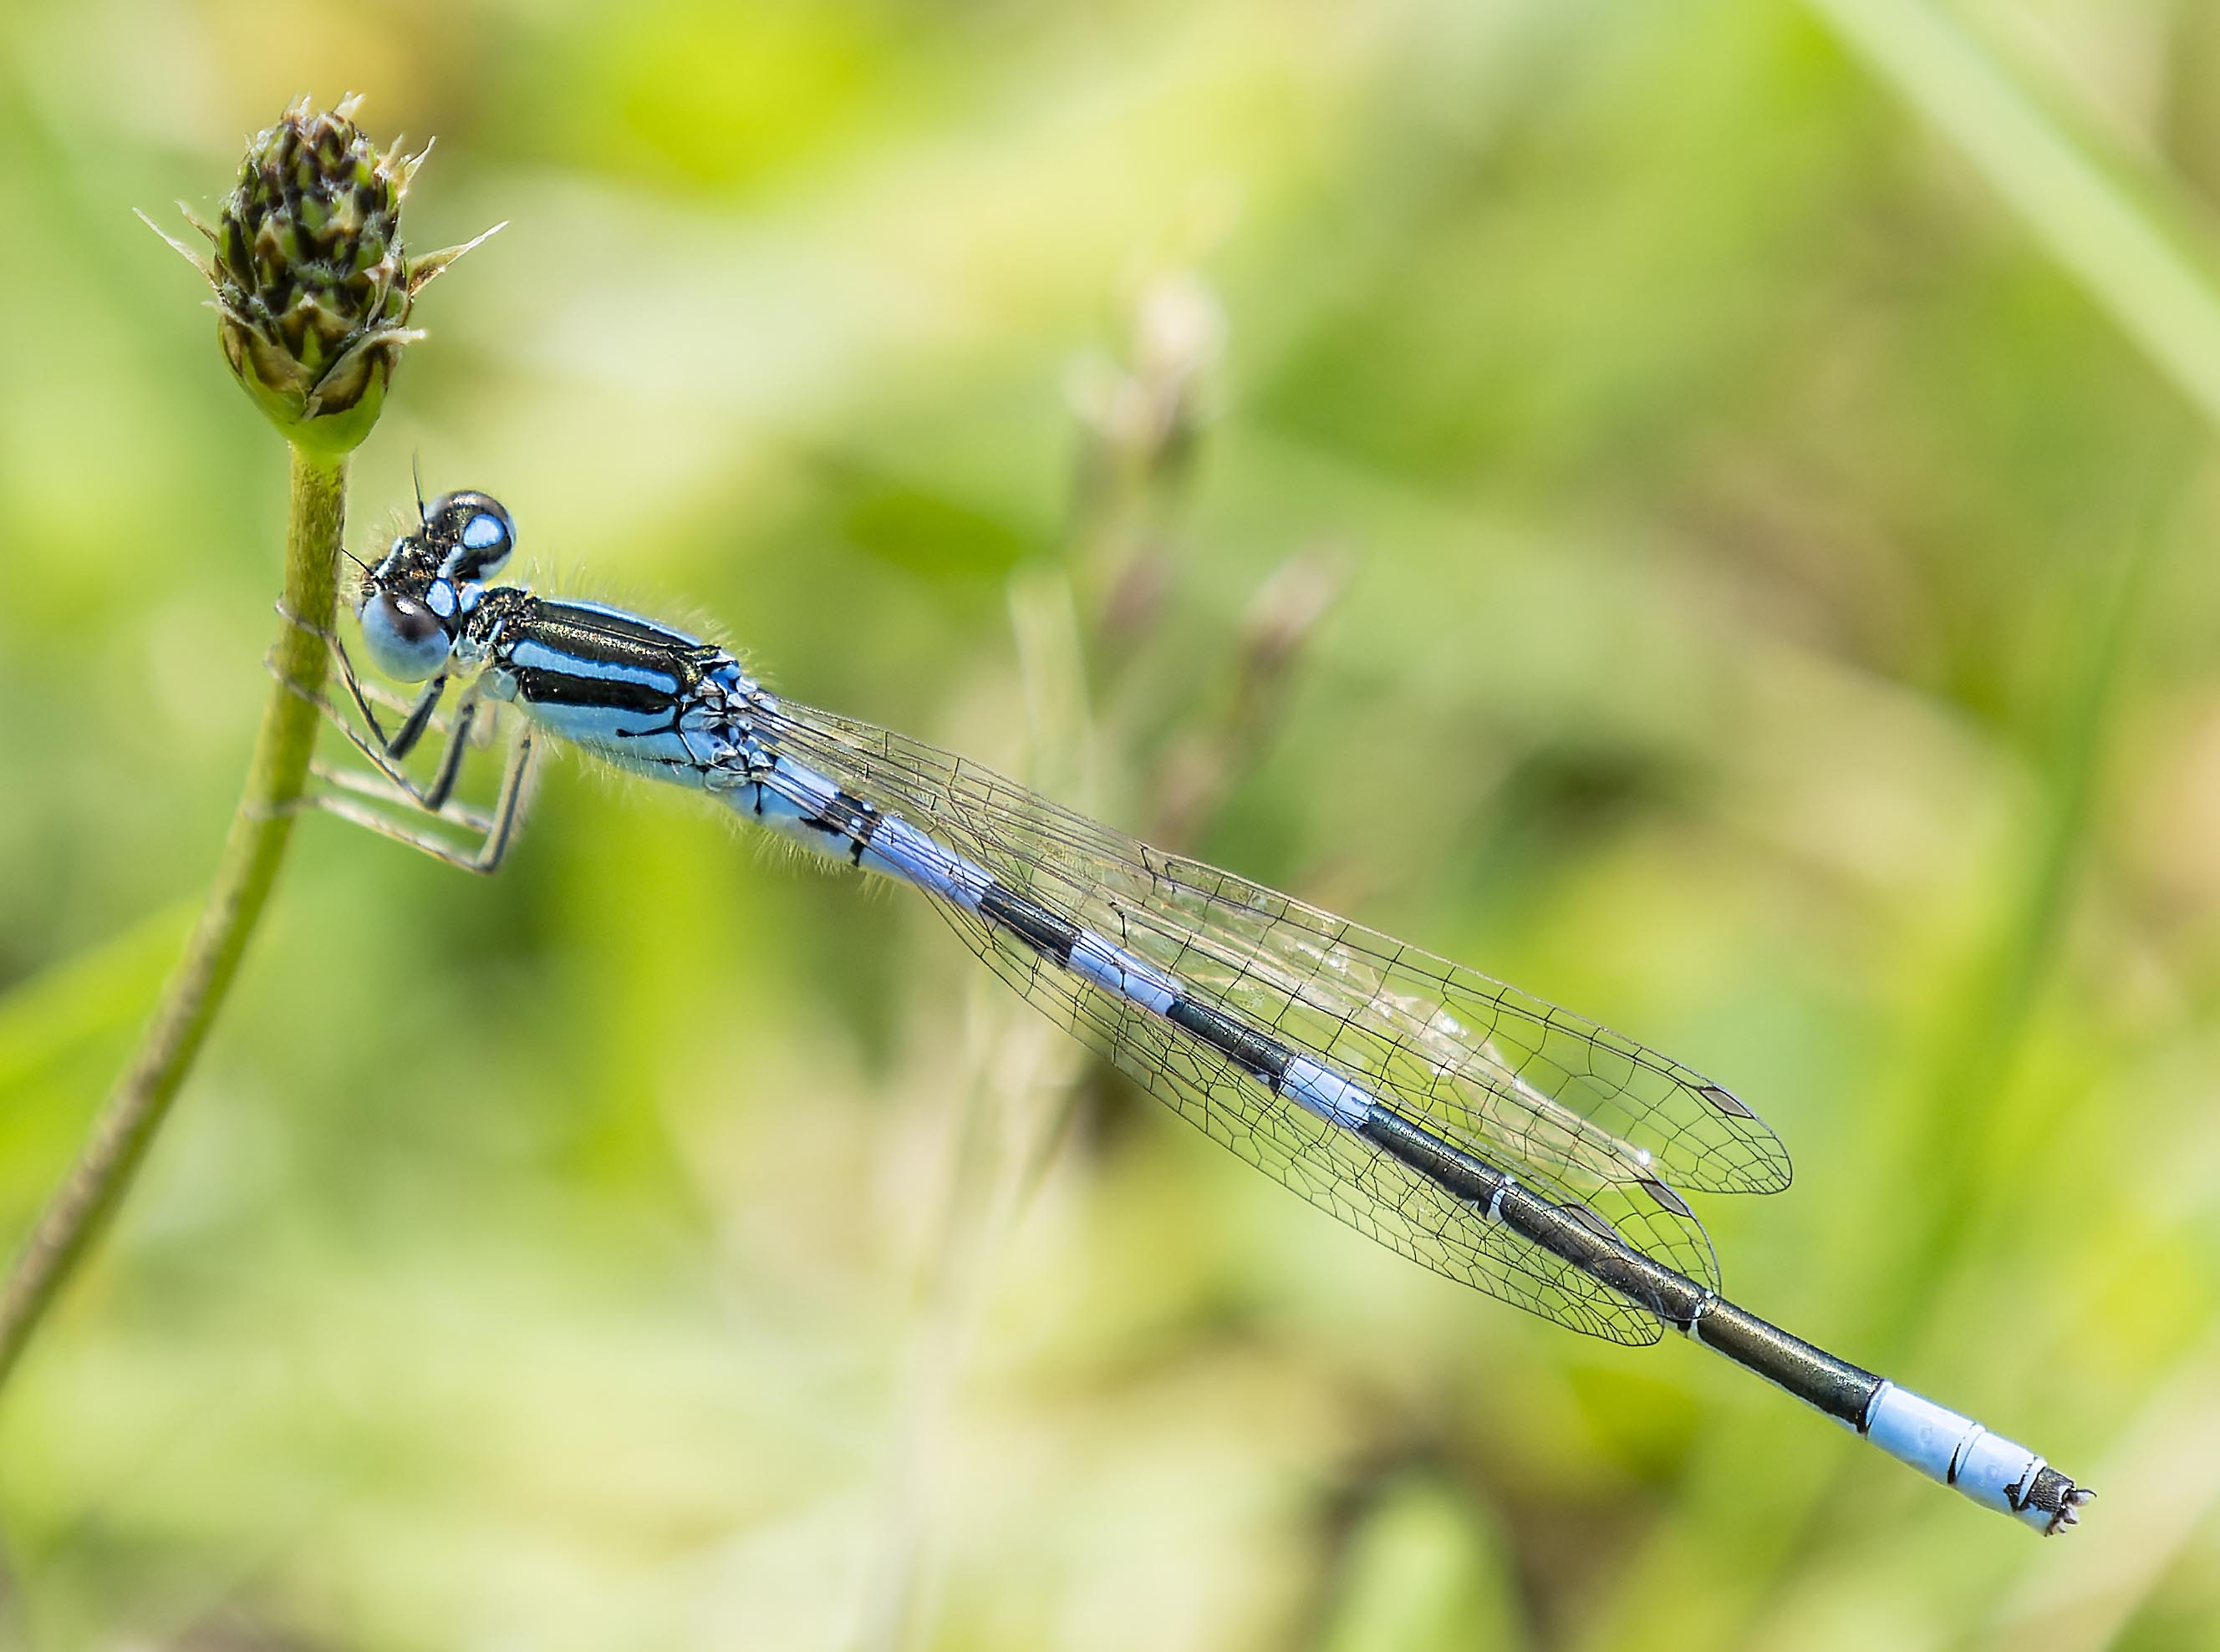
472,725
496,830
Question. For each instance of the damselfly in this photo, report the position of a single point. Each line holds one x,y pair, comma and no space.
1488,1135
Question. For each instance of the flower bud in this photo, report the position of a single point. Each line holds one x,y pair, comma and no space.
313,286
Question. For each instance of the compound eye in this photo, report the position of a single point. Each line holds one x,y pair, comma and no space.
405,639
487,539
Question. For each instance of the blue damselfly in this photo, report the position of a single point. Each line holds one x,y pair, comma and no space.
1486,1134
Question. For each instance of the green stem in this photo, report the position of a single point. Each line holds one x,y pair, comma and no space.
79,1211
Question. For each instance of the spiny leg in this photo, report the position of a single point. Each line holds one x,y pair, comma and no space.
398,786
386,753
476,822
501,827
403,740
379,694
435,795
374,751
413,725
361,693
367,696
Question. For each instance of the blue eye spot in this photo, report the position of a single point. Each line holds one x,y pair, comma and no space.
483,532
441,599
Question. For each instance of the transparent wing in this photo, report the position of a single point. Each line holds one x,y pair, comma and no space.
1342,1173
1596,1122
1490,1066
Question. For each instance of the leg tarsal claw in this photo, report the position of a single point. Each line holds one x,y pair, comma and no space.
299,622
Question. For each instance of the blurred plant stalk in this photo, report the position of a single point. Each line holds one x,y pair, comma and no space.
2121,228
312,295
1141,422
1203,767
1141,415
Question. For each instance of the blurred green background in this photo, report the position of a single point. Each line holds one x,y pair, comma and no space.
1664,520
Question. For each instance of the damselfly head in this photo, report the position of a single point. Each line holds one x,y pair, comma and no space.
472,532
414,603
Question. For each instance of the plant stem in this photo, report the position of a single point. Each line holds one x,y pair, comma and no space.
260,830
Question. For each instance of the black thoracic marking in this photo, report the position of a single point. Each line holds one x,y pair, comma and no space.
618,640
550,687
1052,936
624,628
1267,1058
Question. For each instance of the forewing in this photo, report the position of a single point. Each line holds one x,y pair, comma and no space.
1495,1070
